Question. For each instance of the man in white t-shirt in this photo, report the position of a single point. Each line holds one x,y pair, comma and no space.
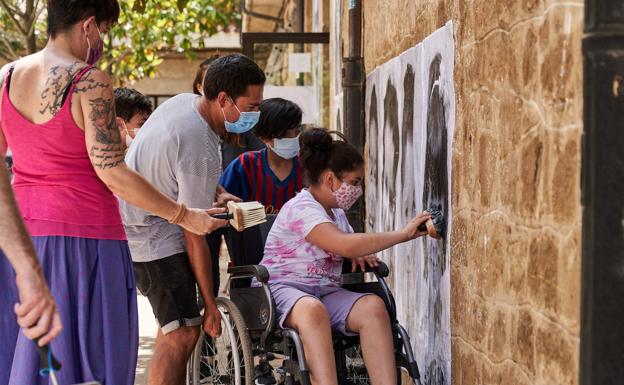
178,151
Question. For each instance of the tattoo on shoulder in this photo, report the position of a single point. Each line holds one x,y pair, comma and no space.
108,151
59,78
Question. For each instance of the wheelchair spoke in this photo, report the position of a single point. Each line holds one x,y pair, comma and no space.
219,364
356,369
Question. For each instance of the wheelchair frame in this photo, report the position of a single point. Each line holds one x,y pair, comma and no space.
258,310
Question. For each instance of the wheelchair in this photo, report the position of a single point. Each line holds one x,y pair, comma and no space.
253,346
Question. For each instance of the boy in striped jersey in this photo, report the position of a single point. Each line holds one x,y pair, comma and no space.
273,175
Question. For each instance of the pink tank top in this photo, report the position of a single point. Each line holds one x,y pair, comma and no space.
55,185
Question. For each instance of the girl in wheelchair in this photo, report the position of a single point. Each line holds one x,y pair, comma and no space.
304,255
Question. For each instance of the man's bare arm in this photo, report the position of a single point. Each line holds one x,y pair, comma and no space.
199,257
14,239
36,312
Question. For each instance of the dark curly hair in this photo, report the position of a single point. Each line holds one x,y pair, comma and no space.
320,152
232,74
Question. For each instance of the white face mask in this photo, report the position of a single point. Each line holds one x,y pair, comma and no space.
129,139
286,148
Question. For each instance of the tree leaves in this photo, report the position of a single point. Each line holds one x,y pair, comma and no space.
145,28
163,25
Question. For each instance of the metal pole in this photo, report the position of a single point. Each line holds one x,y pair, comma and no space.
300,27
602,186
353,103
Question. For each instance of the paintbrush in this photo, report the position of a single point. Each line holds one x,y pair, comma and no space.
436,225
243,215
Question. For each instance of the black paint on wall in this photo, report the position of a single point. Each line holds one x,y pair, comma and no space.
435,192
390,155
408,157
373,149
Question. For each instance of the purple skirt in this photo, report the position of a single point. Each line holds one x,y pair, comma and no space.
93,284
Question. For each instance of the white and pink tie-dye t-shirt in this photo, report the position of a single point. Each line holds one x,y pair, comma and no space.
289,257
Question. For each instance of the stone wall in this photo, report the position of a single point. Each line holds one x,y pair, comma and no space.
515,246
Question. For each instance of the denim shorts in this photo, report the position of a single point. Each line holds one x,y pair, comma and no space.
337,301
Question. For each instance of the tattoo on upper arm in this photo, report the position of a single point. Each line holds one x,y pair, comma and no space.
87,83
106,156
107,151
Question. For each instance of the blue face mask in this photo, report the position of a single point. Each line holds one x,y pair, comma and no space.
245,122
286,148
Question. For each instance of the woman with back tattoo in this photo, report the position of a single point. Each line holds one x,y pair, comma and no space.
57,114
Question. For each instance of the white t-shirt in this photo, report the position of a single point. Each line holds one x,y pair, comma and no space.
289,257
178,153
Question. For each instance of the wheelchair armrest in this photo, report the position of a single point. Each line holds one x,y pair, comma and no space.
248,271
381,270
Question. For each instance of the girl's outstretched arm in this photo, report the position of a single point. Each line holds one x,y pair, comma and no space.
351,245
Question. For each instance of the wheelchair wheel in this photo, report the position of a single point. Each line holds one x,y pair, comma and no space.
226,359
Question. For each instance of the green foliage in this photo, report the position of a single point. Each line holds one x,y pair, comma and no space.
22,27
145,28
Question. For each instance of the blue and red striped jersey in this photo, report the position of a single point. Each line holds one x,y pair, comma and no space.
250,178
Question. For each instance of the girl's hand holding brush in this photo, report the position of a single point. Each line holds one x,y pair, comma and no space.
413,229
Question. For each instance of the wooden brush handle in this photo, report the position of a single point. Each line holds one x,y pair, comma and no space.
429,227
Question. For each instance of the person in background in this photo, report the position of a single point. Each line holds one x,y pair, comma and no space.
178,150
57,115
8,162
272,175
133,108
233,144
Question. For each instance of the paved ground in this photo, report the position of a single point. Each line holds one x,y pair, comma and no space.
147,337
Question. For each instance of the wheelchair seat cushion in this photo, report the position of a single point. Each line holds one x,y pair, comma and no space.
337,301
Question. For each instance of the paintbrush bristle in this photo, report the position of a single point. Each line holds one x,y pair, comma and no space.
246,214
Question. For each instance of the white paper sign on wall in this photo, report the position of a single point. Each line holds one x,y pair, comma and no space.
304,96
300,62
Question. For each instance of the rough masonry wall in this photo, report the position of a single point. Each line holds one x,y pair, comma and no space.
515,247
